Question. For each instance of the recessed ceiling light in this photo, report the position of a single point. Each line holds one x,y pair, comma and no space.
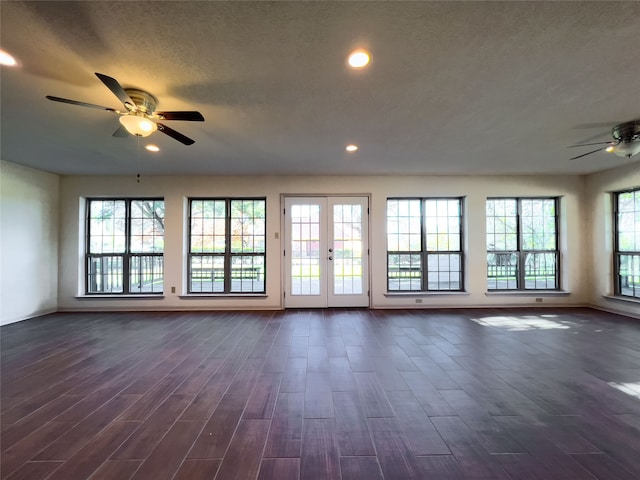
7,59
359,58
152,148
351,148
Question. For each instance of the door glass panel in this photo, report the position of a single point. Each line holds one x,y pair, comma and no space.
347,246
305,250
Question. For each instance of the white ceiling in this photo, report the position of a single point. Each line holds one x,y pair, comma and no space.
453,88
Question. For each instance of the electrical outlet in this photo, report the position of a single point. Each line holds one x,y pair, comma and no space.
173,289
538,300
418,300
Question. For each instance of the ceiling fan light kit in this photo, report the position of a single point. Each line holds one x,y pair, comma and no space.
626,149
138,125
140,117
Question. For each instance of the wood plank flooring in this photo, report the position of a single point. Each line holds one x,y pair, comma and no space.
349,394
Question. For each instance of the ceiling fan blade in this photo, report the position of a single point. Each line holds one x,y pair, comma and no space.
588,144
121,132
175,135
585,126
588,153
188,116
113,85
81,104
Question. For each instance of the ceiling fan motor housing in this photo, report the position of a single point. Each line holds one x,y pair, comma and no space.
144,101
626,132
628,137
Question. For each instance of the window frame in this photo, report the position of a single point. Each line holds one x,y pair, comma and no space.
228,253
617,253
424,253
126,255
521,254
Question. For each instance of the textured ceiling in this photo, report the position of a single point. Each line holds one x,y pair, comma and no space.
453,88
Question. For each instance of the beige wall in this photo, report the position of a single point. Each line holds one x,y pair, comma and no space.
41,239
176,190
28,242
600,235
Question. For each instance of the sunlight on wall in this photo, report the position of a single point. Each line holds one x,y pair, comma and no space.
523,323
632,389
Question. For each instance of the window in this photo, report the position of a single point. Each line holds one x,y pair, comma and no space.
627,243
522,244
226,245
424,244
125,245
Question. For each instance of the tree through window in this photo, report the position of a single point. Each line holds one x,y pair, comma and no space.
227,245
627,243
125,246
424,244
522,244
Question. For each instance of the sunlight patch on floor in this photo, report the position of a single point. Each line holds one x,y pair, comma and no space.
522,324
629,388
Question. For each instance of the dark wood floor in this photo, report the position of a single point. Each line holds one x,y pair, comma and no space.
323,394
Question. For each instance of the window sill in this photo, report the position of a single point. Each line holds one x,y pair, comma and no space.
191,296
528,293
426,294
622,299
120,297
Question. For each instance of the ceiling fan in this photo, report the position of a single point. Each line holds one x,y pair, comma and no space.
140,117
625,143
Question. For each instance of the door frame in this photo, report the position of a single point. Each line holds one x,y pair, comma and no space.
283,241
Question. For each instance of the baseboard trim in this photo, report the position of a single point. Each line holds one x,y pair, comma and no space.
172,309
37,314
448,306
615,311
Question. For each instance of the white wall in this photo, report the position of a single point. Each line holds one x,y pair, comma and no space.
600,235
175,190
28,242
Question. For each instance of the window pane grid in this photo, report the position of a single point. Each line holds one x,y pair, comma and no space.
540,270
444,271
227,243
404,229
105,274
107,226
146,273
305,249
347,250
125,245
424,244
502,225
208,226
538,224
628,275
247,273
522,244
404,272
206,274
147,226
502,270
442,225
627,243
247,226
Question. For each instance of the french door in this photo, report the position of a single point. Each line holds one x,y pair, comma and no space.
326,259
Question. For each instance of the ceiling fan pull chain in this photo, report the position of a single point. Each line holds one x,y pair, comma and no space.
138,163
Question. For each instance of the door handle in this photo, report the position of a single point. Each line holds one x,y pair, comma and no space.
330,258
